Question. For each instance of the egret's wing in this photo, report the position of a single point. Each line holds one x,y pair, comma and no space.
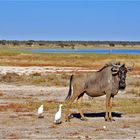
40,110
57,115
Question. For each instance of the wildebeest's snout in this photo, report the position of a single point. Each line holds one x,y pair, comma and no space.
122,84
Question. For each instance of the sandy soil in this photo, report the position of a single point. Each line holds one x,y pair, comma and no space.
26,124
42,70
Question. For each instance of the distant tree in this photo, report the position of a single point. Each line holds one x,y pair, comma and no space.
29,42
3,42
112,45
15,43
124,44
41,44
60,43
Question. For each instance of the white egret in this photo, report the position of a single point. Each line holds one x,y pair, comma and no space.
40,111
57,119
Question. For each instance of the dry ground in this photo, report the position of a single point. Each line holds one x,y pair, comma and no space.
18,113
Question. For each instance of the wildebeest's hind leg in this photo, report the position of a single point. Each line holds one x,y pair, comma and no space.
79,108
69,103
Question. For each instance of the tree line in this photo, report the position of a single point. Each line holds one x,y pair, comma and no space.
66,43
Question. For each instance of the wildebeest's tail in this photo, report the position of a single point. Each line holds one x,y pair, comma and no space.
70,89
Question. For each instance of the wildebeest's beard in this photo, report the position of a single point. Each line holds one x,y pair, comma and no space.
122,77
122,84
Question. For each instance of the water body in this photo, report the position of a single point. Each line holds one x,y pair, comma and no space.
86,51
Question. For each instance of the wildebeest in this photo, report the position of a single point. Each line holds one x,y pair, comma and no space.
107,81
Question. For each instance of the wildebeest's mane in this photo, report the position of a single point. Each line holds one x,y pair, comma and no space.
108,64
103,67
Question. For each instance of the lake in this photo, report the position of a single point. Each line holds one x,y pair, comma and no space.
86,51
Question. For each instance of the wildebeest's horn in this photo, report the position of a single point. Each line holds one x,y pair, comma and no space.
116,66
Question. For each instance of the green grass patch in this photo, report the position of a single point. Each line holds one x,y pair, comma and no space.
9,51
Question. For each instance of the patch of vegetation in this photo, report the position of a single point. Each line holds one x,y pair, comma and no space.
9,51
135,83
127,105
29,106
36,79
134,92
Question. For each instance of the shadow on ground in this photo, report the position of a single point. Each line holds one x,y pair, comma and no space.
99,114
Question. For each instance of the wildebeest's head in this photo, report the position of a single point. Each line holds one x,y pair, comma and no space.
121,71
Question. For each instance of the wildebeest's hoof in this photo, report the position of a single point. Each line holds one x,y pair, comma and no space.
111,119
107,119
83,119
67,120
40,117
58,122
70,116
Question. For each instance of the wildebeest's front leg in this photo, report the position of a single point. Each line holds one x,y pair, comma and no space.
108,97
110,110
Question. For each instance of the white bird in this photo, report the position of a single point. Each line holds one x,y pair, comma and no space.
40,111
57,119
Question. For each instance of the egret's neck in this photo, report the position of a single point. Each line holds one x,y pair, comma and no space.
60,108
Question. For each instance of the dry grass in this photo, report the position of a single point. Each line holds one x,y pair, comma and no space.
134,91
30,106
127,105
36,79
14,57
123,105
135,83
